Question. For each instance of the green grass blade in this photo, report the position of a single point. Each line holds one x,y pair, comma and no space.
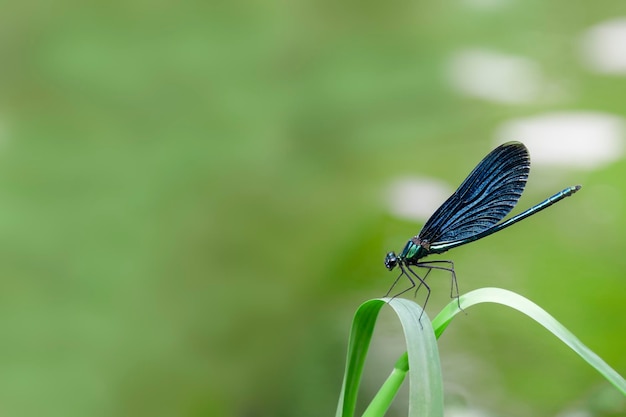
426,386
426,397
358,345
385,395
532,310
426,382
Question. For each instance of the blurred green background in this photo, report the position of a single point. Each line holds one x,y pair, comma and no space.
192,205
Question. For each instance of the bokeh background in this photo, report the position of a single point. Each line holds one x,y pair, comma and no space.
195,198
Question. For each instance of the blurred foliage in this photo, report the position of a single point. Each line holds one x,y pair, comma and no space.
180,182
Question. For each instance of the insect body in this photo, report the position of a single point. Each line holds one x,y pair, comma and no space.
474,211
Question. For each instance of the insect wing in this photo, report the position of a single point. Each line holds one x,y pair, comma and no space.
486,196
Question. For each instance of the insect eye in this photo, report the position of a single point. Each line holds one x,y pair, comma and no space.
391,261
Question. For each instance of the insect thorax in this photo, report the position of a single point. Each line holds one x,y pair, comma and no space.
414,250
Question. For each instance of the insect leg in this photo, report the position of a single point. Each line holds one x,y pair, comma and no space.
396,281
410,279
454,287
422,282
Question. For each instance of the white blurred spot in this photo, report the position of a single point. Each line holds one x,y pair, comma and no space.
582,139
494,76
603,47
416,198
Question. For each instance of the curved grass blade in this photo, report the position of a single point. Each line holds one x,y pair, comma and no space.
426,387
532,310
358,345
513,300
426,384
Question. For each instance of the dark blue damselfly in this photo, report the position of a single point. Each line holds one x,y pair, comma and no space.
474,211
